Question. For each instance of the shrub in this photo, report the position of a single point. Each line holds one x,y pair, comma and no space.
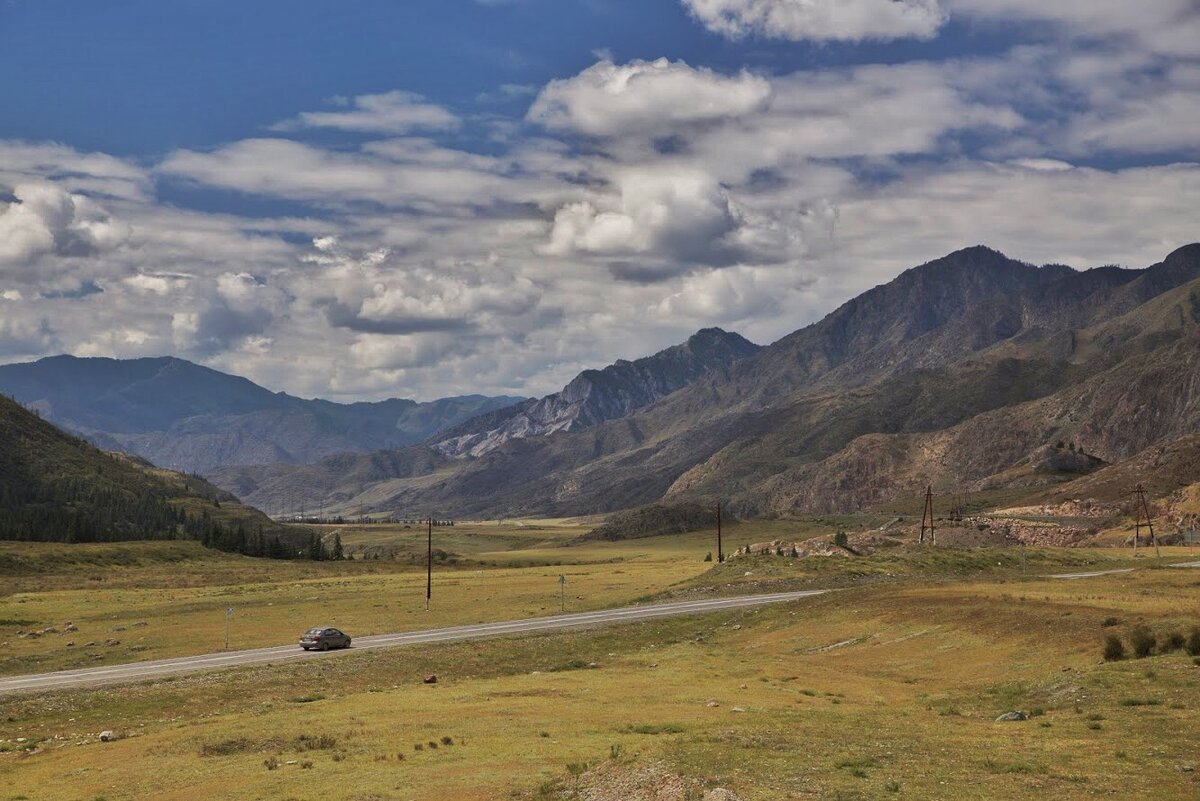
1193,643
1114,649
1143,641
1109,622
840,539
271,763
1172,642
708,556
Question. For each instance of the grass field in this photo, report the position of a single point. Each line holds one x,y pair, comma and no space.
887,688
162,599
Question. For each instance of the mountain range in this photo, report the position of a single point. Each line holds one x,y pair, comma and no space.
973,371
187,417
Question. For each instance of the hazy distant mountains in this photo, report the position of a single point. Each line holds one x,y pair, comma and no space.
183,416
973,371
356,481
595,396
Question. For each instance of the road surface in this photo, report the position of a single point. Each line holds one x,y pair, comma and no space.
1091,574
136,671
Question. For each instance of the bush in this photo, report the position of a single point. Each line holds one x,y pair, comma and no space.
1173,642
1143,641
708,556
1193,643
1114,649
839,539
1109,622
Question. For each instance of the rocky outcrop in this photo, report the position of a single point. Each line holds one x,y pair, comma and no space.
595,396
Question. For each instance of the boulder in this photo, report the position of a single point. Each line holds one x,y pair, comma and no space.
1012,716
430,679
107,736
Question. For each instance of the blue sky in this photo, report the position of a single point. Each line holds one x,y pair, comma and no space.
428,198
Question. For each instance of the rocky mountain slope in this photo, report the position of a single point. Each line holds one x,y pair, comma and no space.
596,396
187,417
960,372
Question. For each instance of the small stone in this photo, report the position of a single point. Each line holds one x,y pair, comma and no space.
290,762
111,642
107,736
737,709
721,794
1012,716
71,643
1186,767
712,704
91,644
741,686
430,679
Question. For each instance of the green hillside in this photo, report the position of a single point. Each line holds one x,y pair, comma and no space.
55,487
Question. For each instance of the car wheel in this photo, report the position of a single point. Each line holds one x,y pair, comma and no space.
347,642
305,647
324,646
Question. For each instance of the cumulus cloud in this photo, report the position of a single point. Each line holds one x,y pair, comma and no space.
45,219
820,19
678,213
388,113
610,99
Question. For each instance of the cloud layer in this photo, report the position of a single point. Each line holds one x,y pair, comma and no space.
426,251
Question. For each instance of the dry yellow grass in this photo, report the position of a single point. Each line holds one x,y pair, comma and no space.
842,696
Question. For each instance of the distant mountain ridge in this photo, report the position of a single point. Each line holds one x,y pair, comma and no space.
960,372
184,416
596,396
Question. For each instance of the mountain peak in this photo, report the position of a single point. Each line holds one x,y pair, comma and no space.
1186,254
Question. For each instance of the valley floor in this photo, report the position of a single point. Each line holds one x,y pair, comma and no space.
889,687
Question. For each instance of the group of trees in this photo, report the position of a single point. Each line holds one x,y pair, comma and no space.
75,510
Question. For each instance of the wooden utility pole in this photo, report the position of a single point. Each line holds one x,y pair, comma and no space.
720,553
1142,518
927,516
429,565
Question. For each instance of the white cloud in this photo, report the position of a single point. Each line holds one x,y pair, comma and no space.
820,19
46,219
608,99
1162,26
388,113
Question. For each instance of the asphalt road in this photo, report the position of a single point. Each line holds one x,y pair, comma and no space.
137,671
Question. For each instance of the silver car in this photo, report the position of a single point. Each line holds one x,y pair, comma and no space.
323,638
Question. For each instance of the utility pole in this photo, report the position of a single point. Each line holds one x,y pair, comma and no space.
1142,518
562,593
720,553
927,516
429,565
228,613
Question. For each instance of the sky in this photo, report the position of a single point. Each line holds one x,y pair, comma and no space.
438,197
